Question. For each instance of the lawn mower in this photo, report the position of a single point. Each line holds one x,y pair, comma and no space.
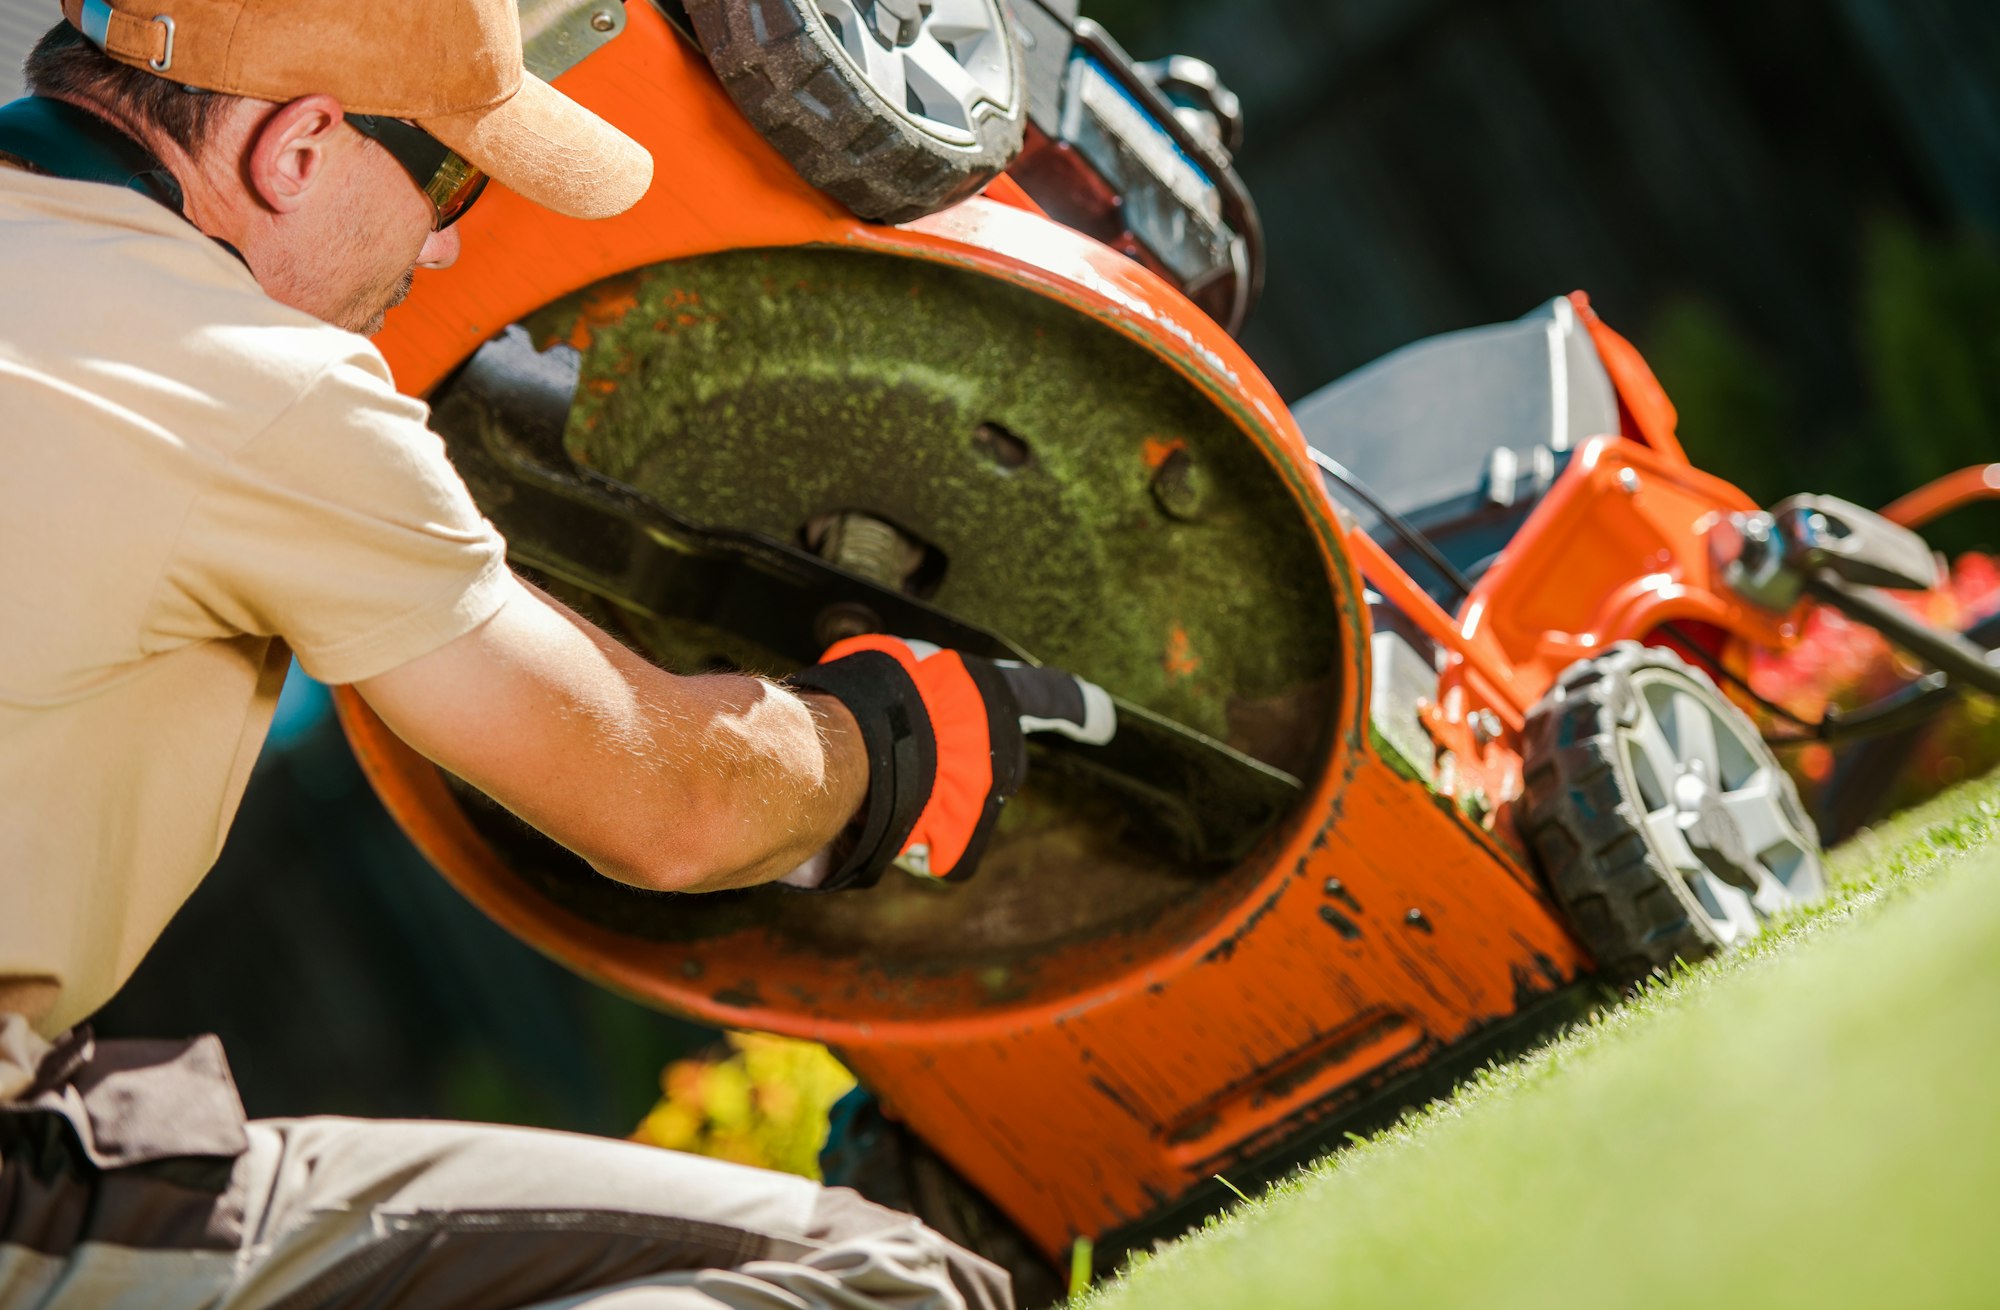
1432,684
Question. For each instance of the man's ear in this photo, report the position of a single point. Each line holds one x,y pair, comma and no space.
288,153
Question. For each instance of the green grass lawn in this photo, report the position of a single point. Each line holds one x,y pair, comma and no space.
1814,1121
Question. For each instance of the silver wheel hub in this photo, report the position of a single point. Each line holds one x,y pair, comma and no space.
943,65
1716,809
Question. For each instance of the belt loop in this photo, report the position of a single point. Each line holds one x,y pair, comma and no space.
68,1053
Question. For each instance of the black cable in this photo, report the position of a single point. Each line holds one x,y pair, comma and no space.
1815,730
1909,705
1946,650
1405,531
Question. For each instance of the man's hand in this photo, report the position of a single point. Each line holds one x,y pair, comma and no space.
944,734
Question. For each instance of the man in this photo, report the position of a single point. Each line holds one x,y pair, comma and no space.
203,208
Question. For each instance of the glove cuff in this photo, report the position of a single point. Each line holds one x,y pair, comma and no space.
902,757
1006,764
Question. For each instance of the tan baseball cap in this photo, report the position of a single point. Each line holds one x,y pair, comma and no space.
453,67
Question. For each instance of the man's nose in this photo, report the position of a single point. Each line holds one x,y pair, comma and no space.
440,250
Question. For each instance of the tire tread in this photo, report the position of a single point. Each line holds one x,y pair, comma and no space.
818,115
1630,910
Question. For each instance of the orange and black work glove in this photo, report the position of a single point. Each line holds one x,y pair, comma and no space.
945,735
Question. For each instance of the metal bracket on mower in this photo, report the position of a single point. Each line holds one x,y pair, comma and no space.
504,414
1838,553
1768,556
557,35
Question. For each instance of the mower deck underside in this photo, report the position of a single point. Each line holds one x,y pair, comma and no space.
1053,483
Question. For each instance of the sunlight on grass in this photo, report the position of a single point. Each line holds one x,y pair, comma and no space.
1807,1121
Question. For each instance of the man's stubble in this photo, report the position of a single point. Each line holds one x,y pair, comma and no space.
397,295
374,285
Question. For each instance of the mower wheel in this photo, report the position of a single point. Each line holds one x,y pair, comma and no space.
890,1165
1663,822
895,108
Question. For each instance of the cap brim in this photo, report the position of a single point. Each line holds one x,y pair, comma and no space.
547,148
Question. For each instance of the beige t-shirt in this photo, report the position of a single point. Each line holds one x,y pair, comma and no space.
193,477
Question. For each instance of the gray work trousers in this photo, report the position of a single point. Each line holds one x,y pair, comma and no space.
129,1178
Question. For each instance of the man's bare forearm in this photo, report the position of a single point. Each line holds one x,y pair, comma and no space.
665,782
749,778
765,788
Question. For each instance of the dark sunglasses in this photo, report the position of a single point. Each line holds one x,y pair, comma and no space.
447,181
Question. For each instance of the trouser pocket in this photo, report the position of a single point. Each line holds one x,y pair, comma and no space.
115,1168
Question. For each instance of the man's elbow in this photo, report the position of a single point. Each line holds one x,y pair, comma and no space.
699,845
675,867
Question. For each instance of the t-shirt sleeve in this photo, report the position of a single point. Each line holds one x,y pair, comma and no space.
341,528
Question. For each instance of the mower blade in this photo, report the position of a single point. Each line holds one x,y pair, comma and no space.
1207,802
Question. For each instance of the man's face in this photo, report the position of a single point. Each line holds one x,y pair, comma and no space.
349,256
377,276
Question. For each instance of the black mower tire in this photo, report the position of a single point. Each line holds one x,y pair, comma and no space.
788,75
1584,815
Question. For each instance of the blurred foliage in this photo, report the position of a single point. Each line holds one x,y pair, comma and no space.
1137,24
755,1100
1736,412
1927,341
1930,326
